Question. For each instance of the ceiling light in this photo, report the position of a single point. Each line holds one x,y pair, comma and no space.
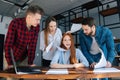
28,2
19,10
105,1
15,14
7,2
72,0
25,7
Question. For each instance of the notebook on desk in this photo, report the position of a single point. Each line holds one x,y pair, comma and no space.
24,69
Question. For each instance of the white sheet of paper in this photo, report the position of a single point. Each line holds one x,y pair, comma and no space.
102,62
49,46
61,49
104,70
57,71
75,27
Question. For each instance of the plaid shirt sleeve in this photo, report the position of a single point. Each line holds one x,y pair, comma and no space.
9,41
32,45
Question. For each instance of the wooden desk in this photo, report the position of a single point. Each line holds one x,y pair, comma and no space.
83,73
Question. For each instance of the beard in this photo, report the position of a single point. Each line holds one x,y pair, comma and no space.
90,33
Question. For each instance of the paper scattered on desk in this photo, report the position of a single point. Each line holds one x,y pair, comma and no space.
57,71
106,70
75,28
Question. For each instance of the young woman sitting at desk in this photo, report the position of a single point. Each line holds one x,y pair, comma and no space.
67,56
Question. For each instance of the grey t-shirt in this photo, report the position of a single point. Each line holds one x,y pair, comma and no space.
94,47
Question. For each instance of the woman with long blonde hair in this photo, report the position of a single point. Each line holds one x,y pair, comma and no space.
50,36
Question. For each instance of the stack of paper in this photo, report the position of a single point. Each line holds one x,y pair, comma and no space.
57,71
49,46
106,70
102,62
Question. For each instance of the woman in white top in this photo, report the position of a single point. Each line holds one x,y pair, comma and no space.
67,56
50,38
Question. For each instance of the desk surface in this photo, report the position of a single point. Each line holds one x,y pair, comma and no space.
73,74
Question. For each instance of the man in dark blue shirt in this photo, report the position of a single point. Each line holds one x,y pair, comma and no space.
95,38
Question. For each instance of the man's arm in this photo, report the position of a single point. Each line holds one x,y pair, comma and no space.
110,46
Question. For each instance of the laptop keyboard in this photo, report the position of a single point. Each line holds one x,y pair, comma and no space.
27,69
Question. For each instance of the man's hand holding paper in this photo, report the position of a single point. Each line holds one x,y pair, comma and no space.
108,65
102,62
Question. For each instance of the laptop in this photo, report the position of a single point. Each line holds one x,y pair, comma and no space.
24,69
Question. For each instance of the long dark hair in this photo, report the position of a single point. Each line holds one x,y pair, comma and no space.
48,20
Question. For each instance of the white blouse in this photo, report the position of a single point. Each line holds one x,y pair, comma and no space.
56,42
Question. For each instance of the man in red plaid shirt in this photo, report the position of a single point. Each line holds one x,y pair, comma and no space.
22,36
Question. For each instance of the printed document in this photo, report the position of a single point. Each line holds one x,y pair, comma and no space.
102,62
57,71
61,49
49,46
75,27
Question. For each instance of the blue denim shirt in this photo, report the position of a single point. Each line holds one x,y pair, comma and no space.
105,41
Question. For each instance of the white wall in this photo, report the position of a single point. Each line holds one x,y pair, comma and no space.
4,24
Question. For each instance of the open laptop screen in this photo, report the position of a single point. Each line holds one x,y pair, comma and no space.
24,69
